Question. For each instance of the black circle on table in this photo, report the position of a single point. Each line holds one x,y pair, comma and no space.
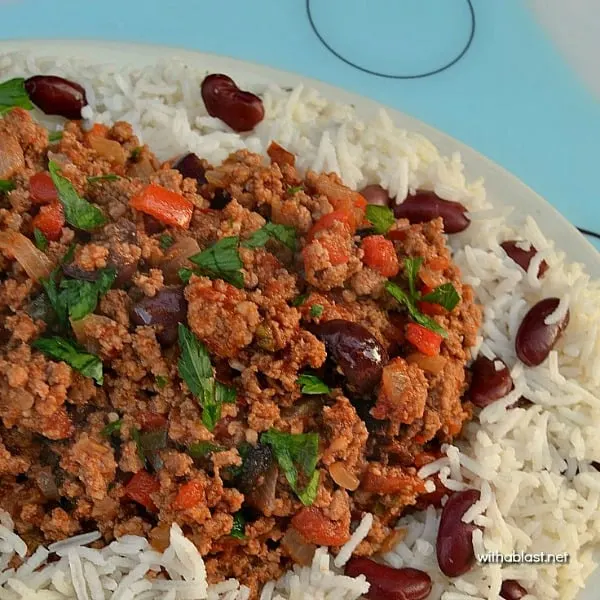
440,69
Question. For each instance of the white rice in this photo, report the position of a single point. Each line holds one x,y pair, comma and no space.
524,461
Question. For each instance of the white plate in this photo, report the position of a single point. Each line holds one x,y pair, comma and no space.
502,187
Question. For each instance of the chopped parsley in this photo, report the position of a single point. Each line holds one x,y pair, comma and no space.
165,241
59,348
197,372
112,428
220,261
55,136
40,240
78,212
381,217
135,153
299,300
6,186
281,233
445,295
294,452
76,298
292,190
311,384
13,94
238,529
185,274
203,449
109,177
161,381
316,310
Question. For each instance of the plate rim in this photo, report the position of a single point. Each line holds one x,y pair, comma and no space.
443,141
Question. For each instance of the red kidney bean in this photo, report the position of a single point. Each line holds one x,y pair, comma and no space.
454,545
355,350
426,206
387,583
56,96
535,339
487,383
523,257
166,309
190,166
375,194
512,590
223,99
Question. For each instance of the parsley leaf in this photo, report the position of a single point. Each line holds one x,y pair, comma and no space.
381,217
294,189
111,428
221,261
238,529
40,240
161,381
6,186
78,212
56,301
109,177
195,369
165,241
282,233
203,449
445,295
55,136
411,269
299,300
135,153
311,384
316,310
81,297
185,274
61,349
13,94
403,298
293,451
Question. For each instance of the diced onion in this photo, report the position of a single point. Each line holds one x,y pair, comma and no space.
343,477
177,257
299,550
432,364
35,263
109,149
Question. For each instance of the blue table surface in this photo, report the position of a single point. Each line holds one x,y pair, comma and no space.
511,96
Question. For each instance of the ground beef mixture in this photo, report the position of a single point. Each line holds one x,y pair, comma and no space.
308,394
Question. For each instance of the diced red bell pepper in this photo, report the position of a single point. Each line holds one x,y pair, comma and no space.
50,221
140,489
380,255
98,130
316,528
430,308
42,189
164,205
424,340
189,495
326,221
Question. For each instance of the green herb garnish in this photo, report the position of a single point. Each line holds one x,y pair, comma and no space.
13,94
311,384
109,177
299,300
78,212
185,274
165,241
281,233
238,529
295,451
294,189
59,348
160,381
149,443
55,136
6,186
381,217
445,295
221,261
40,240
316,310
112,428
203,449
135,153
196,370
411,268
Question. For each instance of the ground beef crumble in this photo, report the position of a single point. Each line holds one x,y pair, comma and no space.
72,447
